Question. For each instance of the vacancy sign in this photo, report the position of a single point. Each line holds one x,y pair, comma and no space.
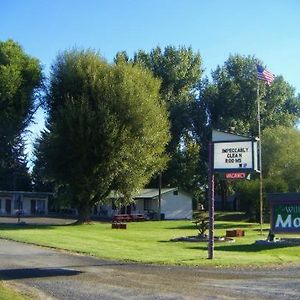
235,156
235,175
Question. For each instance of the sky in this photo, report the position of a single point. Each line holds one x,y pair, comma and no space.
268,29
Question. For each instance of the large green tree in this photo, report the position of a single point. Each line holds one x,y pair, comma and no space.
281,156
281,164
107,128
230,99
20,81
179,70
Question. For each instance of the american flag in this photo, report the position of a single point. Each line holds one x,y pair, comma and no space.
265,75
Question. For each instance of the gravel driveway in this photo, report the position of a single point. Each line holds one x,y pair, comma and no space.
53,274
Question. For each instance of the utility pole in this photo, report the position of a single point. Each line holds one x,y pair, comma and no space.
159,195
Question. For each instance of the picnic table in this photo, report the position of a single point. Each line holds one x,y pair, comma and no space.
128,218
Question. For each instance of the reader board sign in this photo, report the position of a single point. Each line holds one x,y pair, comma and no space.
234,156
285,212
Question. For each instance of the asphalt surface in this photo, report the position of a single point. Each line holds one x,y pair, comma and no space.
52,274
37,220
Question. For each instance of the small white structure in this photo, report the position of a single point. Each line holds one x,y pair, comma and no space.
27,203
175,204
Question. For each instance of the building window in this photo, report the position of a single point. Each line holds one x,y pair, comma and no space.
175,193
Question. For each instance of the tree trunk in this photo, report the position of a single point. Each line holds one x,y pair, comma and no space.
84,213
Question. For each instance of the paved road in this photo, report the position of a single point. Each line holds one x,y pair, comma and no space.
60,275
37,220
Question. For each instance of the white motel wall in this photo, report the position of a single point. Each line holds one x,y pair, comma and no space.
28,203
175,204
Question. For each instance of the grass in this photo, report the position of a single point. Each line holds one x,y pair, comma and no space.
149,242
6,293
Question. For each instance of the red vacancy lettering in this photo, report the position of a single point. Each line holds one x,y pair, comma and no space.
235,175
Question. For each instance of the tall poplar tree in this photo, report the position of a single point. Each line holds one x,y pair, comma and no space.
107,128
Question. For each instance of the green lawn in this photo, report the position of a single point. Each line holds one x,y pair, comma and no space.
149,242
7,293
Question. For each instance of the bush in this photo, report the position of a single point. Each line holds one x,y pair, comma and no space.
201,221
248,195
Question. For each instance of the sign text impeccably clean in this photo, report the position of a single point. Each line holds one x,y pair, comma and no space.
237,155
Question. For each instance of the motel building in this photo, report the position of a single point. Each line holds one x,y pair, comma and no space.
175,204
26,203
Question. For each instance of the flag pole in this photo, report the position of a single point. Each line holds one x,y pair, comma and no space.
267,77
260,163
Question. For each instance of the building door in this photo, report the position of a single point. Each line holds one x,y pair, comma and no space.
8,206
33,207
